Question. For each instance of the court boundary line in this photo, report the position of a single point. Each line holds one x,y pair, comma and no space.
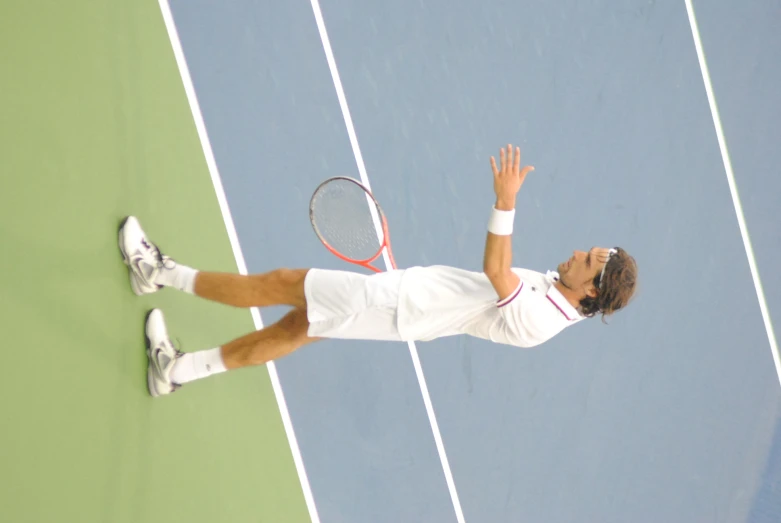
365,179
203,136
752,263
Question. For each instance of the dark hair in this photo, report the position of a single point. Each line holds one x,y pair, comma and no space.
618,288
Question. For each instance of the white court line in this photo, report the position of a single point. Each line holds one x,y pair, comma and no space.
365,179
752,263
234,240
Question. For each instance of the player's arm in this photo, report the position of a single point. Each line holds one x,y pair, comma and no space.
497,259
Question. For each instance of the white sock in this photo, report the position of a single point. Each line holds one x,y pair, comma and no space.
196,365
179,277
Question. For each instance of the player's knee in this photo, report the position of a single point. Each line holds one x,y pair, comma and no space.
292,280
290,277
296,325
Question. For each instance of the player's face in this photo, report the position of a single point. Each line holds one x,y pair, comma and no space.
579,271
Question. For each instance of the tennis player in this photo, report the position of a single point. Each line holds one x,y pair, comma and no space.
506,305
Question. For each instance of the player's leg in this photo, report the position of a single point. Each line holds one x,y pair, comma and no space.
150,271
169,368
276,341
277,287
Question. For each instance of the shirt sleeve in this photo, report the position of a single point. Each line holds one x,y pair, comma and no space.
512,296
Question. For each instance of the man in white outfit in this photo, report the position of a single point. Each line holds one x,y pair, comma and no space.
503,304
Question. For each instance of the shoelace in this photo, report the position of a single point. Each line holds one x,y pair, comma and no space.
162,261
166,344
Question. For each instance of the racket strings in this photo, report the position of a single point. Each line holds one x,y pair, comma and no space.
341,216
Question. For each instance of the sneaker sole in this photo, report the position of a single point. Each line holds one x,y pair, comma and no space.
150,379
150,375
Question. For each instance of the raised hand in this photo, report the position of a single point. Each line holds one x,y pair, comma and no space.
508,177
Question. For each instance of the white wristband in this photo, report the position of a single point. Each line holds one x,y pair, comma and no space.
501,222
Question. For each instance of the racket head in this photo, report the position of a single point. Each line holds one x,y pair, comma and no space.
340,212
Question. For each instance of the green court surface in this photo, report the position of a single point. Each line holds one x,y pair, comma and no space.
96,125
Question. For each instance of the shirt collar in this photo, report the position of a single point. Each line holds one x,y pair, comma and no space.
558,299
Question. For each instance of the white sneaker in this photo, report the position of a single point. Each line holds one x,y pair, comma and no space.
142,257
162,355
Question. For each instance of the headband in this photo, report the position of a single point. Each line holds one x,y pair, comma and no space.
610,253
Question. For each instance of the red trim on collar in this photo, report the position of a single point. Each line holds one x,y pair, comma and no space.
557,306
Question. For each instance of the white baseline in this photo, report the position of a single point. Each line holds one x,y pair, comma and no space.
184,71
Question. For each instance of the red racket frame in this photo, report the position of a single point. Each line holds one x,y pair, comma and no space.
385,244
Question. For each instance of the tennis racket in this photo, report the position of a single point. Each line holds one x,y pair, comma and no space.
349,228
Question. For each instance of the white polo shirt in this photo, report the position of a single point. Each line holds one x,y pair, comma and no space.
442,301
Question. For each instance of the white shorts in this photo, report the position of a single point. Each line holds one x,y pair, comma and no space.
349,305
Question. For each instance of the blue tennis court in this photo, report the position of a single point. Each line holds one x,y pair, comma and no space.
670,413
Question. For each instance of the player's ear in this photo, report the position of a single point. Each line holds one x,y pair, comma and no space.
591,291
